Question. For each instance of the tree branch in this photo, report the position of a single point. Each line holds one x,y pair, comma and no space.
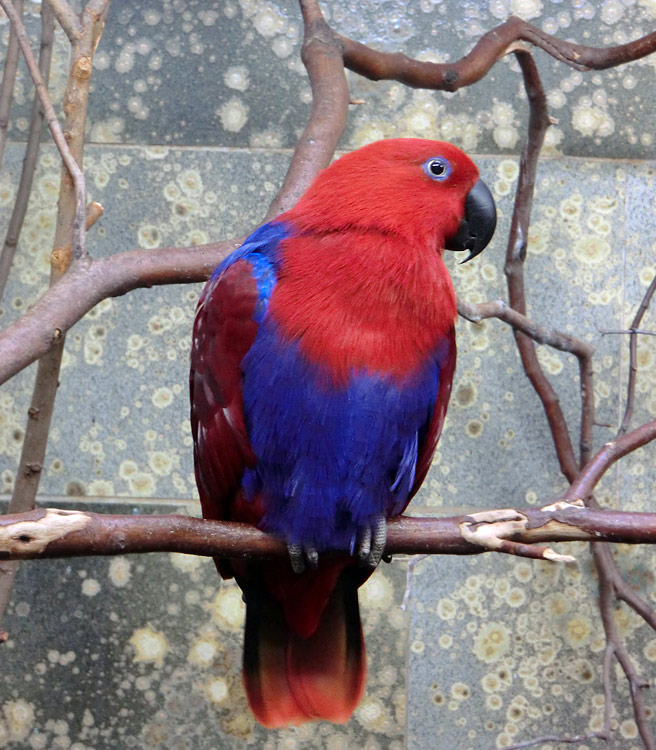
492,46
31,151
8,82
51,532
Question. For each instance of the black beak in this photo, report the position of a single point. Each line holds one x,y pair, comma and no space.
476,229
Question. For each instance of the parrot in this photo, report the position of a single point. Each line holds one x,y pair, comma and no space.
323,352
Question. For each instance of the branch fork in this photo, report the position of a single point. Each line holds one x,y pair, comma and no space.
493,530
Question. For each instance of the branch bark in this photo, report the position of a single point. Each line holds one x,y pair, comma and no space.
8,82
51,532
31,152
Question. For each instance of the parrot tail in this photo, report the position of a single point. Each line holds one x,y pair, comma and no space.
291,679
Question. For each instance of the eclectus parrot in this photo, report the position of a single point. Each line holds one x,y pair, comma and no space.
322,359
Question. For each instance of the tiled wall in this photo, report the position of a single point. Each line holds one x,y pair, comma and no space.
194,109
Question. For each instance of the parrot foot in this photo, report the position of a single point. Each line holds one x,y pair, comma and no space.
301,557
372,543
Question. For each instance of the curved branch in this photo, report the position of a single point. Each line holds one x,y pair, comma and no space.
377,65
322,56
584,484
87,283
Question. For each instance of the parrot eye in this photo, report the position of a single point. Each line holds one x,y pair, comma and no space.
437,168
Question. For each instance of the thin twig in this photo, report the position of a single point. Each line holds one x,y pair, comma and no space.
31,152
70,229
79,241
8,82
541,334
633,356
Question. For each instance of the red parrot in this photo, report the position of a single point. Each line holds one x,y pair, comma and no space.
321,366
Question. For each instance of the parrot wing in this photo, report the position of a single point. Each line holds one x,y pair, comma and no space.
224,330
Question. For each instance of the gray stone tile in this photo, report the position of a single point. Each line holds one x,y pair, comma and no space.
229,74
505,650
145,651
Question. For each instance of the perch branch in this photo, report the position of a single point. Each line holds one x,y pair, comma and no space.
50,532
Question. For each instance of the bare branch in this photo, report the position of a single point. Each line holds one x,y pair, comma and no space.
633,356
50,532
322,56
79,242
539,333
8,82
67,18
377,65
31,152
611,452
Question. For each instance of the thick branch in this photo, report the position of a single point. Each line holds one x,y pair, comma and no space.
67,18
88,283
47,533
322,56
491,47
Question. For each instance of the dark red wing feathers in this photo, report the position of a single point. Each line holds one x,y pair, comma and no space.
224,331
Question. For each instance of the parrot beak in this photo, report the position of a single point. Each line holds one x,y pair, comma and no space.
476,229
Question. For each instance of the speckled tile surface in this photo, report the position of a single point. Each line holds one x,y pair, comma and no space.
194,107
506,651
136,441
209,72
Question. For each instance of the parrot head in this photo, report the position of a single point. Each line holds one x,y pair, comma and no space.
424,190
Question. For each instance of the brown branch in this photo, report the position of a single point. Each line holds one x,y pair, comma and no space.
539,333
70,230
377,65
322,56
50,532
67,18
611,452
31,152
84,70
633,356
516,255
8,82
600,553
583,484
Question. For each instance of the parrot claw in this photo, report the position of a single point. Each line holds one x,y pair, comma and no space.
372,543
301,557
